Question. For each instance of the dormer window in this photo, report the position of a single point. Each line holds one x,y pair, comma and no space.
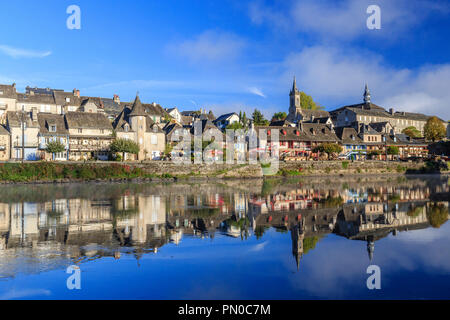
323,131
312,131
67,99
1,93
52,128
297,132
268,132
283,132
126,128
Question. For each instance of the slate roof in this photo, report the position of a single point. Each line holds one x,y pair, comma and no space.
348,135
371,109
305,132
281,123
308,113
124,118
137,109
48,119
83,120
226,116
14,119
35,99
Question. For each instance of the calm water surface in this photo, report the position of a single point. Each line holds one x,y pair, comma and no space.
305,238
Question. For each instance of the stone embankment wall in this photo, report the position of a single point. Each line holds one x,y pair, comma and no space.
285,168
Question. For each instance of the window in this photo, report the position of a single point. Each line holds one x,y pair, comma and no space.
154,139
52,128
1,93
102,131
80,130
141,141
67,99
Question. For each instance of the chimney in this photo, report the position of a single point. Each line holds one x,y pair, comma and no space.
34,114
31,93
76,93
116,99
14,86
391,111
312,118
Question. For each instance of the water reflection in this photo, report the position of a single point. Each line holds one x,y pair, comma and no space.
48,227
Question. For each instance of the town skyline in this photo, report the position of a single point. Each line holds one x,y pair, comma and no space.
235,56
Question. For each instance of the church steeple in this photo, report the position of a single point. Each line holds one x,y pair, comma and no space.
294,86
366,95
294,102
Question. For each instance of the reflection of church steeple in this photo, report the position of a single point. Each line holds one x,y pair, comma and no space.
370,247
297,236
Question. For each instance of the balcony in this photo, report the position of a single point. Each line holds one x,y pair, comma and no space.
26,145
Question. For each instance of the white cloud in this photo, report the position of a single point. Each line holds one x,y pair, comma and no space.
23,53
210,46
337,76
256,91
343,20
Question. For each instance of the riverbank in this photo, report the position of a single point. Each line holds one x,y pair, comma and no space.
46,172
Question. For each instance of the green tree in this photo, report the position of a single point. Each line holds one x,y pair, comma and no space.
235,126
279,116
393,150
55,147
328,148
434,129
437,215
307,102
412,132
258,118
124,146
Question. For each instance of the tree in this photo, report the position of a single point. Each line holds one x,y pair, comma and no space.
124,146
55,147
235,126
393,150
307,102
434,129
328,148
258,118
412,132
437,215
279,116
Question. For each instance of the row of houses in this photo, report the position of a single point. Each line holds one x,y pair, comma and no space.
85,134
86,126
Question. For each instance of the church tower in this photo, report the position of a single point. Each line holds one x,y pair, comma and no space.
294,95
294,103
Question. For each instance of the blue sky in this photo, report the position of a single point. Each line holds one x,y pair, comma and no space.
233,55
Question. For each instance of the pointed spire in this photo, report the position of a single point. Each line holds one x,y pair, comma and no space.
137,109
294,85
366,94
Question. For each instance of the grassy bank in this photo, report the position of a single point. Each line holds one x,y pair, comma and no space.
44,171
67,172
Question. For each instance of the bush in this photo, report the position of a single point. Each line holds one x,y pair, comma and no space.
344,164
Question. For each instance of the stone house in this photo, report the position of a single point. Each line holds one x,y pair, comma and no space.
135,124
90,135
52,127
14,122
5,141
8,98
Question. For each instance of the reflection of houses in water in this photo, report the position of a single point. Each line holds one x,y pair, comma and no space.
139,222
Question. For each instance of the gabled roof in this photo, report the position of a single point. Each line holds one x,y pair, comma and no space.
14,119
85,120
226,116
48,119
348,135
36,98
123,119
